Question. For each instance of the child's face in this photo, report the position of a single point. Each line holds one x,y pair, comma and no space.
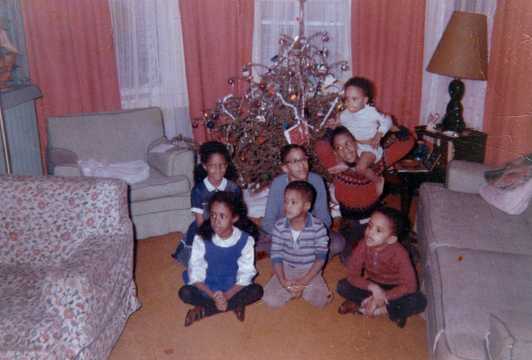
215,167
295,204
379,231
345,147
355,99
222,219
296,165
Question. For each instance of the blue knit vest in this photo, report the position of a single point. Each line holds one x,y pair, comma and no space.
222,264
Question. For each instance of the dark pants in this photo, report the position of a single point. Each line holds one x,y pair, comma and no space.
247,295
401,308
352,231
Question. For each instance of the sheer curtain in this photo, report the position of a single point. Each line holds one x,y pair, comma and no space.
149,53
276,17
435,95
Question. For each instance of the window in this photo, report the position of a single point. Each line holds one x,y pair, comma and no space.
276,17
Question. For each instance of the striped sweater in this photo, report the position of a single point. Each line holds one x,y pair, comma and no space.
310,245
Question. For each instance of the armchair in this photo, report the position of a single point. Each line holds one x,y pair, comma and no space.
66,267
158,205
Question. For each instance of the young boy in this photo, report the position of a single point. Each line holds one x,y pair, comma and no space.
298,252
388,285
295,167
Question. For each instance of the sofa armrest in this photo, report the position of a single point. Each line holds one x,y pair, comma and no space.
174,162
63,162
82,287
465,176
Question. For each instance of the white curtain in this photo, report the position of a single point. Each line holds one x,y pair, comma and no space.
276,17
435,95
151,64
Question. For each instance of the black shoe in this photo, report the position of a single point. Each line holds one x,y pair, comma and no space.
401,322
178,250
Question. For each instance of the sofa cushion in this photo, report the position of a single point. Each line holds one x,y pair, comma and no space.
158,185
509,336
161,204
449,218
472,284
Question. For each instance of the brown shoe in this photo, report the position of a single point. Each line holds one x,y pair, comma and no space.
347,307
195,314
240,312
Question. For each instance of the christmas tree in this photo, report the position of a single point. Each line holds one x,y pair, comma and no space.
288,101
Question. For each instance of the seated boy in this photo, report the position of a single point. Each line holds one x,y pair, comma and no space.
388,284
295,167
298,252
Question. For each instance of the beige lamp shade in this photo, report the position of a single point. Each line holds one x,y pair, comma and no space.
462,51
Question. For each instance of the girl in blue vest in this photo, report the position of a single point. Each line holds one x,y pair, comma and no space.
215,173
221,268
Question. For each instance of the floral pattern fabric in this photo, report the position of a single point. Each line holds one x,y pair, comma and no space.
66,267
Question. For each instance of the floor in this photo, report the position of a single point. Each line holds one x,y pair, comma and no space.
297,331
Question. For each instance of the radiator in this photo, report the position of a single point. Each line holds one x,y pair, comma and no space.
22,135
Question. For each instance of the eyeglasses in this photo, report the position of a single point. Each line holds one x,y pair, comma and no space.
296,161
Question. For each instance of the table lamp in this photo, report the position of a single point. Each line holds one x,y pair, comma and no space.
462,53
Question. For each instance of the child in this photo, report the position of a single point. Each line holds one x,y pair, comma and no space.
215,160
388,285
295,167
221,267
298,253
367,125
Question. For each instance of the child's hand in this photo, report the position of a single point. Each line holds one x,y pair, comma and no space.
377,291
220,301
370,305
378,295
376,140
296,291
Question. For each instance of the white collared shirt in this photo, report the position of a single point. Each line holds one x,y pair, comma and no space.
211,187
197,266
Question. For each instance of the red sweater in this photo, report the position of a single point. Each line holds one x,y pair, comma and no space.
355,190
388,265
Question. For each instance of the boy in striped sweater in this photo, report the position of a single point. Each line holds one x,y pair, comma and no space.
298,252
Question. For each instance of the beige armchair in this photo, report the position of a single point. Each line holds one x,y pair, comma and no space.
158,205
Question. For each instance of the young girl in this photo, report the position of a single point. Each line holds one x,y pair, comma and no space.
388,285
210,178
365,123
221,268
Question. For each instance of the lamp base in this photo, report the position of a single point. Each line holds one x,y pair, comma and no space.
453,119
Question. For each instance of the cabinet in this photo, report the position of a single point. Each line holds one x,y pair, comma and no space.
20,132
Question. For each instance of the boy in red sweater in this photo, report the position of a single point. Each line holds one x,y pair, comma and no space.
380,276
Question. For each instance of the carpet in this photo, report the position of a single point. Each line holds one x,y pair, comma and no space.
296,331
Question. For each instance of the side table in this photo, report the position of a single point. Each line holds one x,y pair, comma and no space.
470,145
408,174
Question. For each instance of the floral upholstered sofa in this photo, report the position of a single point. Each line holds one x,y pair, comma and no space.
66,267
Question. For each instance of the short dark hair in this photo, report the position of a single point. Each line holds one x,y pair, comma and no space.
363,84
399,222
285,150
306,190
340,130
